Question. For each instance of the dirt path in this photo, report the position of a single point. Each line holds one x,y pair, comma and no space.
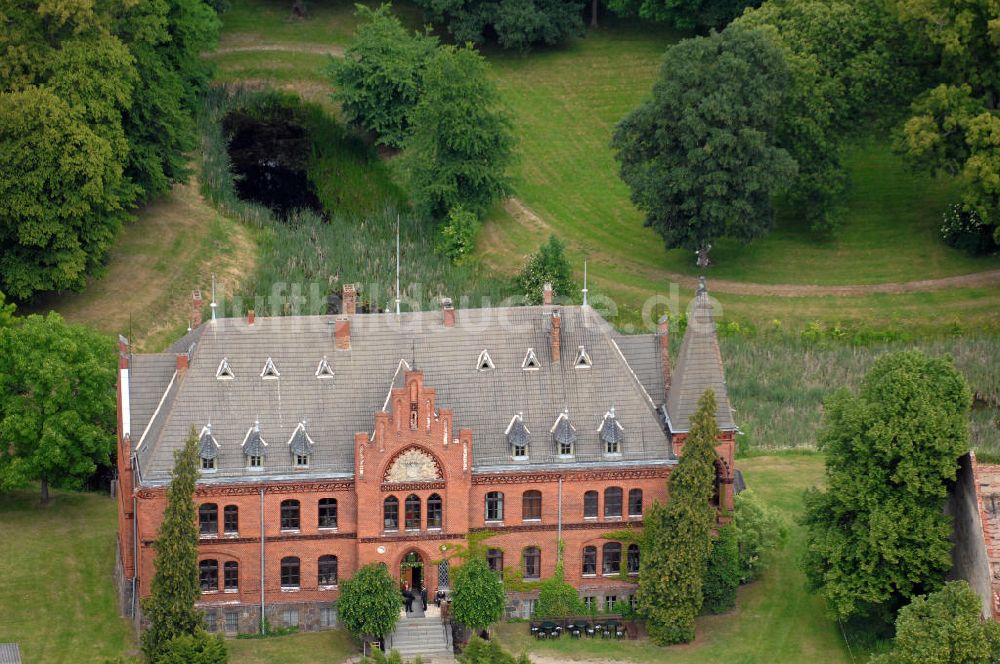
527,217
237,45
173,247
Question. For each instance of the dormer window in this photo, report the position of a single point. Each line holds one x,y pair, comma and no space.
224,372
582,359
300,446
484,363
324,370
254,447
269,372
531,361
518,437
208,448
564,435
612,433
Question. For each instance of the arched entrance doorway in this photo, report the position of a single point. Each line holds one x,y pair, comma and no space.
411,571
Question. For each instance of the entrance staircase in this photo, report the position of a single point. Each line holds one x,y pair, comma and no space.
424,636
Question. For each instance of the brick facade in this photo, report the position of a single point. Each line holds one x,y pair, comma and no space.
411,436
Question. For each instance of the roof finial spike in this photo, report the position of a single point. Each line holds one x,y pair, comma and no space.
256,425
584,283
214,305
397,265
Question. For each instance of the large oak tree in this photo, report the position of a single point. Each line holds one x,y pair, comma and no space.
701,157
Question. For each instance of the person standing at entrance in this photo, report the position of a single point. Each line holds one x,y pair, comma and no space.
408,598
423,596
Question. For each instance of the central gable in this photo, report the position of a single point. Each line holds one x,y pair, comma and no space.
413,465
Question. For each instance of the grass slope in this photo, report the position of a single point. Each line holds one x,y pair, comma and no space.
328,647
56,595
776,619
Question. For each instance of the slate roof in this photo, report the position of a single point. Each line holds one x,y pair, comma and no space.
624,375
611,430
698,368
10,653
300,443
208,446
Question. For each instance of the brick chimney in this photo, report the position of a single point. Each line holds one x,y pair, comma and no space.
182,362
251,317
663,332
448,312
555,336
342,334
547,293
196,304
350,300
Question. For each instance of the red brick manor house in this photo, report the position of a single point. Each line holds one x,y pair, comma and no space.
330,442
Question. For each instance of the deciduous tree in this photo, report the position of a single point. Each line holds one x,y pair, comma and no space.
701,157
170,606
369,602
685,14
547,265
945,627
678,536
461,143
758,530
478,597
57,402
556,597
517,24
878,535
379,80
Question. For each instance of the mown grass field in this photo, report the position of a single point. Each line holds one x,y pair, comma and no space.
57,599
776,619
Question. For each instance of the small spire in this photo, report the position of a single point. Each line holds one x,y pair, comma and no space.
584,283
256,425
213,305
702,288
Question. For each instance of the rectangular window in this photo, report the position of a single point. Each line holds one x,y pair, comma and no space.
589,602
211,621
633,602
527,608
609,602
494,559
289,515
520,451
435,516
327,512
255,461
302,460
612,447
231,520
635,502
232,622
590,561
565,449
207,464
494,506
290,617
531,509
612,502
590,505
208,520
231,577
327,616
532,563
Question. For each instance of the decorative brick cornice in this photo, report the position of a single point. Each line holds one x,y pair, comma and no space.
297,537
572,476
411,538
543,527
209,490
412,486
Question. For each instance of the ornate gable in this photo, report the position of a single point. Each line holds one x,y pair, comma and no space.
413,465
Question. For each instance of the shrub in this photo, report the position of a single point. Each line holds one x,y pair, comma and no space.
722,575
457,235
964,229
198,648
488,652
557,598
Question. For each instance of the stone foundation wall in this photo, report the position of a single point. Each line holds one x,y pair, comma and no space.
969,553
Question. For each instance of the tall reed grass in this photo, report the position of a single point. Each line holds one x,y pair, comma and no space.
777,383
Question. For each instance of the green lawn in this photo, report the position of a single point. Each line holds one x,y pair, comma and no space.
328,647
776,619
56,595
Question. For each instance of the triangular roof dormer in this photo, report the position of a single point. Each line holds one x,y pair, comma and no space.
583,360
269,372
611,430
484,363
254,443
224,372
300,443
208,446
517,432
324,370
562,431
531,362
